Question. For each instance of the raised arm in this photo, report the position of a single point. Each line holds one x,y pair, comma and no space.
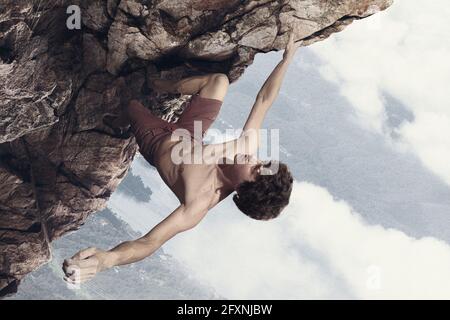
271,88
248,142
87,263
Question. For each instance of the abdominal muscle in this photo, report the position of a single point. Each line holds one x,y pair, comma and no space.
169,171
198,178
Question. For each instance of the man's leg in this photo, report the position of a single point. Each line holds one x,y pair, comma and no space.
205,106
212,86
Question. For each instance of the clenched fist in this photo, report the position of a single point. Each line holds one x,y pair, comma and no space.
84,265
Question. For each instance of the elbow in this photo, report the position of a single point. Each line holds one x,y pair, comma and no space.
191,218
265,98
262,96
189,223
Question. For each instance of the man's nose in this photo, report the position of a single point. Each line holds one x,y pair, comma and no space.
252,159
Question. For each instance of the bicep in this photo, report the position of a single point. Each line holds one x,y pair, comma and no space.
257,114
248,142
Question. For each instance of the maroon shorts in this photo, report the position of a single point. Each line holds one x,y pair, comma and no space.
150,130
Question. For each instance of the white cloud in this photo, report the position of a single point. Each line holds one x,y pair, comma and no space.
318,248
403,51
408,267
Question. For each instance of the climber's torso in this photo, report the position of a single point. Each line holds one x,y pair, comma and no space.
189,182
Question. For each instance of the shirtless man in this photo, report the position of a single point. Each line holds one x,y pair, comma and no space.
199,186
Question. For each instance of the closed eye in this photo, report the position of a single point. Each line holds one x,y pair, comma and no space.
257,169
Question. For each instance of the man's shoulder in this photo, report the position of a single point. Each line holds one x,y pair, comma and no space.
205,198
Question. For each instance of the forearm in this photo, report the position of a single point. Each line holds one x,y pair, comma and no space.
131,251
87,263
267,96
271,87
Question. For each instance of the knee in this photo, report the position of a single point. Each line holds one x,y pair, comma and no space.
216,87
221,79
133,107
133,104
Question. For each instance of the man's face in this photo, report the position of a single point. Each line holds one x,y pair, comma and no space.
247,167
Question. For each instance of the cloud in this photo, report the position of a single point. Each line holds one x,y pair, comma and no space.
319,248
403,52
375,262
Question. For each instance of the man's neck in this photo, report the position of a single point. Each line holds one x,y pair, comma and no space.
224,177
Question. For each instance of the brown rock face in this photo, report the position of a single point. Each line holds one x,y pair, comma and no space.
59,162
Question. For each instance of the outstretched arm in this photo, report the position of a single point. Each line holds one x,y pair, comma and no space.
271,87
87,263
248,142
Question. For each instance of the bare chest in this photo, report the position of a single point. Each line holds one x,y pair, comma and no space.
190,181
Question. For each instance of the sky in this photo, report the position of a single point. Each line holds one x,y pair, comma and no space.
403,52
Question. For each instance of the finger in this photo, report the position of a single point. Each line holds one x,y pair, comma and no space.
70,270
291,35
87,277
68,273
68,263
64,267
290,42
75,278
75,272
80,267
87,271
82,272
68,280
74,275
82,279
83,254
86,263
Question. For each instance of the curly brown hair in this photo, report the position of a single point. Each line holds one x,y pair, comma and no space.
266,197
